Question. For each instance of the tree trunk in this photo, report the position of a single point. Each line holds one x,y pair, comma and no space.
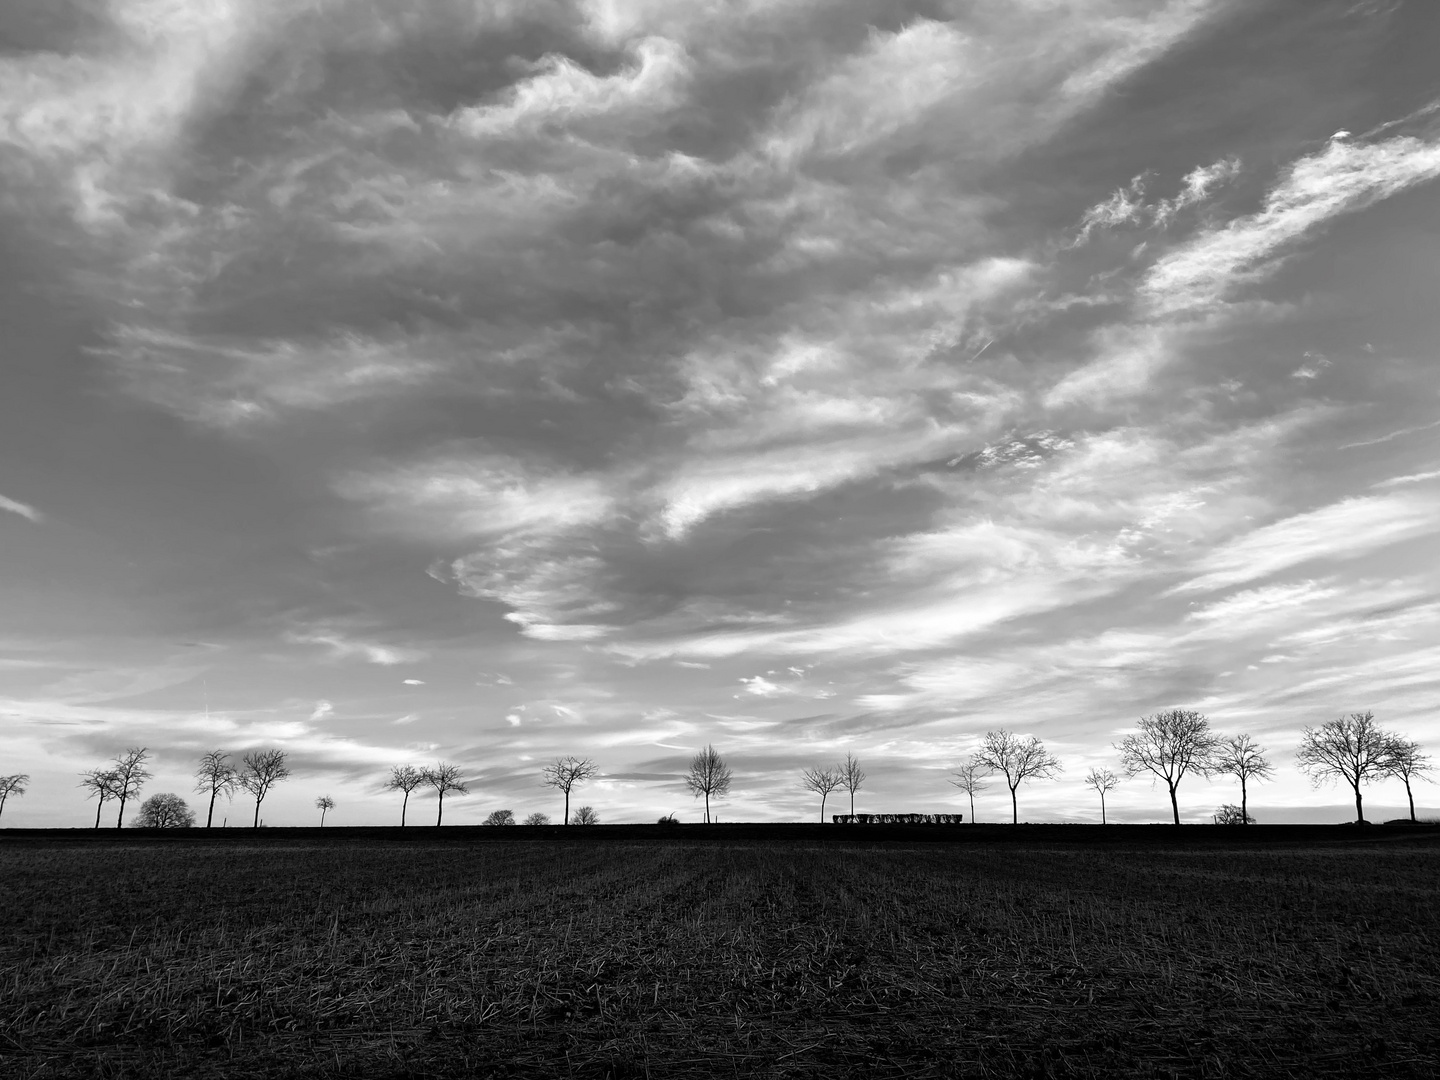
1359,812
822,809
972,809
567,806
256,825
322,819
1244,811
98,807
852,802
120,817
1174,805
210,816
1014,809
1407,795
403,805
1102,809
707,808
439,809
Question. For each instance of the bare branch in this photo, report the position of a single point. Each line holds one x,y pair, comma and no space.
1171,744
1353,748
1018,759
708,776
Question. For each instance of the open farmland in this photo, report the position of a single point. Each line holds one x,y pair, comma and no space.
789,952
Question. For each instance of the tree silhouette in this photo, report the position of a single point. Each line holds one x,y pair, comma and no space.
537,818
1243,758
1171,744
444,778
260,771
586,816
130,776
1102,780
164,811
215,776
500,817
1018,760
12,785
851,777
565,773
970,778
708,776
324,804
1406,762
100,783
822,782
404,778
1353,748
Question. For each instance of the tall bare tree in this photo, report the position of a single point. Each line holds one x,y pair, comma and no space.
1171,744
1353,748
12,785
970,778
260,771
565,773
708,776
1406,762
1018,759
324,804
216,776
851,778
444,778
404,778
1102,780
1242,757
101,784
822,782
130,776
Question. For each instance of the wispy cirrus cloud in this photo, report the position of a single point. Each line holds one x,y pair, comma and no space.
25,510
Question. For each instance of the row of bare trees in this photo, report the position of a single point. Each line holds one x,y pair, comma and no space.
564,774
1173,744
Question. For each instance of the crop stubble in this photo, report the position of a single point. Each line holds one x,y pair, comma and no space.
672,959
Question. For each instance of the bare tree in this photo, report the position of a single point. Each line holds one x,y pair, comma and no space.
260,771
444,778
500,817
216,776
970,778
1406,762
404,778
1171,744
537,818
324,804
586,816
565,773
164,811
851,777
708,776
1243,758
822,782
1102,780
1019,760
130,776
1353,747
101,784
12,785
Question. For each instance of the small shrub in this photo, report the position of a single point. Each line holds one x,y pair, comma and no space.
668,819
500,817
538,818
1230,814
585,816
164,811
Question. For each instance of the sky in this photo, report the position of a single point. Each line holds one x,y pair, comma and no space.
483,381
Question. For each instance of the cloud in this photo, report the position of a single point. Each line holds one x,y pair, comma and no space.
323,710
1343,178
344,647
414,682
1342,530
23,509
